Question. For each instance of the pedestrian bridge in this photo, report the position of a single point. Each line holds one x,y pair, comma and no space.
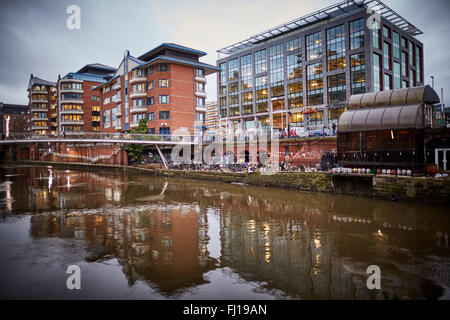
89,138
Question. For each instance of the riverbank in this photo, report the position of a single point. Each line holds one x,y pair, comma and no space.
391,188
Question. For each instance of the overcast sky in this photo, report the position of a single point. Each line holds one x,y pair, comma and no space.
34,37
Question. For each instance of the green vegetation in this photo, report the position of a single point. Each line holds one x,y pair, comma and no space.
136,151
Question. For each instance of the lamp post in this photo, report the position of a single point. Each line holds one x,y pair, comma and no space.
432,81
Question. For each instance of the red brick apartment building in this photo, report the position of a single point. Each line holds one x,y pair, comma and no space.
78,103
165,86
42,103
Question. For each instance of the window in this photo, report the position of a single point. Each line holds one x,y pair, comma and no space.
418,63
404,64
376,29
200,117
164,115
233,102
295,95
276,71
150,101
387,55
247,103
162,67
358,73
223,106
233,69
150,70
294,66
357,34
246,72
151,85
261,61
336,48
140,87
137,73
165,131
233,87
262,94
314,46
387,82
96,109
411,53
397,79
377,74
200,87
137,103
163,83
386,32
336,88
95,98
223,79
404,84
396,44
151,116
200,102
164,99
200,72
412,78
315,84
106,118
404,42
293,45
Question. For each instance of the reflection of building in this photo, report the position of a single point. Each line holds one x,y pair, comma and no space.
163,245
303,72
211,118
42,100
14,118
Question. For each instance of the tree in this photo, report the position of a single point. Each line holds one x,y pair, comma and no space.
136,151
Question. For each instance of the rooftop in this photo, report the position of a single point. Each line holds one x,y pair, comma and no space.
327,13
97,66
174,46
35,80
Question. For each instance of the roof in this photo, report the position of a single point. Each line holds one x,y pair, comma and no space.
209,68
35,80
327,13
96,66
13,106
384,118
422,94
172,46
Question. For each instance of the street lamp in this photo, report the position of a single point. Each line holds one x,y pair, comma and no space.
432,81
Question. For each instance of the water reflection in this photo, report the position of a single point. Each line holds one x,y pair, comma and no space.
171,234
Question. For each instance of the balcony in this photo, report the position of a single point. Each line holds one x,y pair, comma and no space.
200,94
71,90
200,109
39,119
39,127
72,122
33,109
134,125
41,100
117,86
138,94
39,91
116,98
78,101
201,79
138,79
119,114
138,109
74,111
118,127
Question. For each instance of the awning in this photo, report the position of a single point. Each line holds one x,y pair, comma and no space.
399,97
385,118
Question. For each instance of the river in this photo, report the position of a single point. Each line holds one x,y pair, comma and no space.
144,237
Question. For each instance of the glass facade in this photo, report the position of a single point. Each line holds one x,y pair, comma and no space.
246,72
336,48
397,77
358,73
314,46
295,95
222,78
376,72
376,34
261,61
262,94
315,84
337,88
233,69
387,82
276,71
404,64
294,66
357,34
387,55
396,44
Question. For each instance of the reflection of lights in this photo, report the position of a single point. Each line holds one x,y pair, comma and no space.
317,243
68,182
380,233
50,179
9,198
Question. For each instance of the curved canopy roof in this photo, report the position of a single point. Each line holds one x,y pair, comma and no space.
399,97
384,118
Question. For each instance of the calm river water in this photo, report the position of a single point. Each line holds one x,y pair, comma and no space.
142,237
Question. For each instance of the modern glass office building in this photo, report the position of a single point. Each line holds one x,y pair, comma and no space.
302,73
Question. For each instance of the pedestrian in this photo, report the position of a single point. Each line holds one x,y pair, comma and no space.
334,128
